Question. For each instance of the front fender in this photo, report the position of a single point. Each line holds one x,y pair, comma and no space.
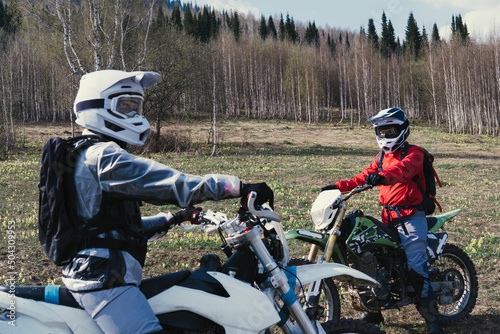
308,273
309,236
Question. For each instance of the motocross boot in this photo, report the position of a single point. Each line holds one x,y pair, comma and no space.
428,309
372,317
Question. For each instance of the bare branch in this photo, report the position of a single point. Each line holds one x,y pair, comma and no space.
67,37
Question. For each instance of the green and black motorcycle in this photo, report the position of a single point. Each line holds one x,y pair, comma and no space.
366,244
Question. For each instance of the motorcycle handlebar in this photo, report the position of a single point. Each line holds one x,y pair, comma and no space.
207,221
358,189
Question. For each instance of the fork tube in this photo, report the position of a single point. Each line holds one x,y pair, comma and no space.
279,281
313,253
334,232
314,292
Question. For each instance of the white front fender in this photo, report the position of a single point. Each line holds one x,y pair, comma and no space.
312,272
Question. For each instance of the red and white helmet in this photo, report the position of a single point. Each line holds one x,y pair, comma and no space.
392,128
109,102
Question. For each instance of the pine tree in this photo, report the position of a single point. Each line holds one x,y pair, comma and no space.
388,39
312,34
12,17
176,21
189,23
413,42
263,31
214,24
331,44
204,25
425,38
459,29
2,13
464,33
290,31
372,34
161,20
271,28
394,43
281,28
435,34
235,25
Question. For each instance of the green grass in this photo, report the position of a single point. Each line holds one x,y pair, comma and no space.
296,160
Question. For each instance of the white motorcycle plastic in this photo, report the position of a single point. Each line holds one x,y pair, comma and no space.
253,291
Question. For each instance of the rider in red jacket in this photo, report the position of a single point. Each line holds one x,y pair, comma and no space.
403,204
399,189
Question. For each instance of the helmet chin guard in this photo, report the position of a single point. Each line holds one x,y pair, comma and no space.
392,128
109,102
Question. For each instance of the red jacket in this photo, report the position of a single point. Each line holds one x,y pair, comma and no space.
400,189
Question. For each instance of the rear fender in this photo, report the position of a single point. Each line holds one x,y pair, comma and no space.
442,218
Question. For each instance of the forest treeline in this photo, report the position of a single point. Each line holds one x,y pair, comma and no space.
226,64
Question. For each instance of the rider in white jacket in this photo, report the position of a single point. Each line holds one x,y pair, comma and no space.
110,184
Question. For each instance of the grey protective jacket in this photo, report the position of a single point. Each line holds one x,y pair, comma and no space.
107,168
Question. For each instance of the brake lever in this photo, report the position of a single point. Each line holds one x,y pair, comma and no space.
266,214
208,221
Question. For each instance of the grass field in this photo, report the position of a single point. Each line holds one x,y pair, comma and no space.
296,160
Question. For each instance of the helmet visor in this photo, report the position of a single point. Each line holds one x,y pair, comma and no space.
387,131
127,106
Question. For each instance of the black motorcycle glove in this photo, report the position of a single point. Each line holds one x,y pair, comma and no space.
183,215
375,179
329,187
264,193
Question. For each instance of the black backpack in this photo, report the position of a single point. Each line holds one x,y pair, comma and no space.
59,226
430,177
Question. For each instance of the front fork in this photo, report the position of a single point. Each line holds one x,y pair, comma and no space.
279,281
314,291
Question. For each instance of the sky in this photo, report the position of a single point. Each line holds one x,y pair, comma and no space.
479,15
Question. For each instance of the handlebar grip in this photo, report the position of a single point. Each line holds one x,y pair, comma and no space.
195,217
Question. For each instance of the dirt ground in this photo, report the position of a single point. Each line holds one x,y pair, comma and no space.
469,164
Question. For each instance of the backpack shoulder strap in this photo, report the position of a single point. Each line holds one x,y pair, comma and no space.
75,145
82,142
381,155
380,160
405,151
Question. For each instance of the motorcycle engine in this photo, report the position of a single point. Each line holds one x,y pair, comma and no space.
370,299
367,264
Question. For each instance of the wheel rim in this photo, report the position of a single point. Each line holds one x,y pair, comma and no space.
325,300
448,267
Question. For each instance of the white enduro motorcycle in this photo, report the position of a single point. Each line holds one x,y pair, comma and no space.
253,292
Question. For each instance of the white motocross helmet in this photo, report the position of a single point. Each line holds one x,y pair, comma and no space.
109,102
392,128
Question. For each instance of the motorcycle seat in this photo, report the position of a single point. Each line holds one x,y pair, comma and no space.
38,293
431,221
149,287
